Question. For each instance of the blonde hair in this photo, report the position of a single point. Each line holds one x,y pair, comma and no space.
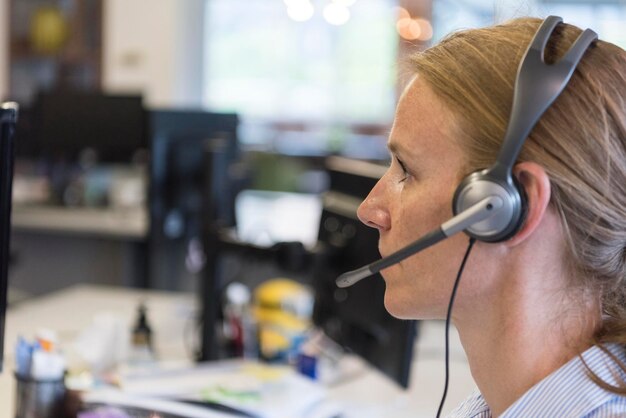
580,141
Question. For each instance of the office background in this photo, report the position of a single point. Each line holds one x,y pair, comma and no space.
300,81
303,80
184,53
306,78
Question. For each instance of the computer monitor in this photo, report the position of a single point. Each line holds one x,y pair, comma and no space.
8,119
266,218
68,122
26,147
356,317
191,152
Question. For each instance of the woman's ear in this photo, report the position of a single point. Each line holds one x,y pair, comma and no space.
533,178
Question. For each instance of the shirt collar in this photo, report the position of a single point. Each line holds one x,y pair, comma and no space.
569,391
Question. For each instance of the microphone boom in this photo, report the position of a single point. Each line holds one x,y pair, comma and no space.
478,212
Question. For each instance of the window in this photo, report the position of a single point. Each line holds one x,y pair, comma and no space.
605,17
261,63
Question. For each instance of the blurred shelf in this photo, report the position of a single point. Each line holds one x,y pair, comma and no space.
73,63
125,224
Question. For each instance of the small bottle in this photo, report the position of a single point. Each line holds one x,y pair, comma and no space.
240,326
141,341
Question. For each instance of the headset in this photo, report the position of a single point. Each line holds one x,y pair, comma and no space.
489,205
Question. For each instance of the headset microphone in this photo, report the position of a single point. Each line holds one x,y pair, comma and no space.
489,205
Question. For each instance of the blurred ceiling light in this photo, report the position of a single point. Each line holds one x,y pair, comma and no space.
300,11
426,29
336,14
291,3
408,29
344,3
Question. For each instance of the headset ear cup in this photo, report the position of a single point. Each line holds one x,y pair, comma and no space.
503,224
524,207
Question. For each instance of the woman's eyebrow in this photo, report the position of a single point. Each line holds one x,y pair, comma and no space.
394,148
399,150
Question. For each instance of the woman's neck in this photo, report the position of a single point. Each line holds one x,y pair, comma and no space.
521,334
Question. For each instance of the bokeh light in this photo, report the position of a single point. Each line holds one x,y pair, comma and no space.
336,14
300,11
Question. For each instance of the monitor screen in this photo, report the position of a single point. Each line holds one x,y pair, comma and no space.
267,217
191,152
8,117
27,146
114,126
356,317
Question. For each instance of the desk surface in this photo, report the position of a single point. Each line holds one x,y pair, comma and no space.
368,394
71,310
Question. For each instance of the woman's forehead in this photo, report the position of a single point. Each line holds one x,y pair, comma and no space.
421,118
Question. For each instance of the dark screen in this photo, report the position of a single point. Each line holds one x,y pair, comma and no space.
189,150
356,317
27,146
180,142
7,130
68,122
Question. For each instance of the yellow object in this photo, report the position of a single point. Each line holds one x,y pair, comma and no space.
48,30
282,310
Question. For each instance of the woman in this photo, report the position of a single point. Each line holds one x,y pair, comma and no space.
542,315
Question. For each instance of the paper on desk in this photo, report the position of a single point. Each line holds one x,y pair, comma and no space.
267,391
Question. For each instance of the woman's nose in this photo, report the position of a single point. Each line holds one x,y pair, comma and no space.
373,211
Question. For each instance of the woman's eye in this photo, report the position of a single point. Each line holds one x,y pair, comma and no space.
405,173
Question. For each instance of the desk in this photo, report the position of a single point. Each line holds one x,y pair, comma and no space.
71,310
368,394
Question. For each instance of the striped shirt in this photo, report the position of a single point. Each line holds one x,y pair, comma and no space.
567,392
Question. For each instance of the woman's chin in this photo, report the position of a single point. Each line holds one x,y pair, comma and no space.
406,308
399,309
